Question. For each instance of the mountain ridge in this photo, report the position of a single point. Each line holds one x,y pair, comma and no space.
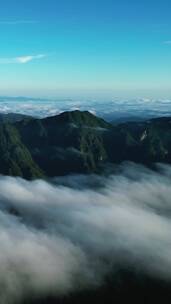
79,142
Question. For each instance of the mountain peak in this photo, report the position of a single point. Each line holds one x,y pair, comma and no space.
79,118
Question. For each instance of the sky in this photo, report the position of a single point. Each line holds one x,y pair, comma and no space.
92,48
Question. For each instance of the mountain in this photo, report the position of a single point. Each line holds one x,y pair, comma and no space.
79,142
12,117
80,119
15,159
67,143
147,142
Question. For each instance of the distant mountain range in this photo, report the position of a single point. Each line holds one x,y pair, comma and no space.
78,142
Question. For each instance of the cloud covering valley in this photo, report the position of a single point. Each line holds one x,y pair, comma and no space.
56,239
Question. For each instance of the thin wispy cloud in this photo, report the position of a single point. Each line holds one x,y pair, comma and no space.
167,42
21,59
17,22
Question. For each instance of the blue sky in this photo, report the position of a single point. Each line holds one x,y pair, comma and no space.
87,48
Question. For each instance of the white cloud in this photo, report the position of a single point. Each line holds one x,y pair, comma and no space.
65,237
118,110
22,59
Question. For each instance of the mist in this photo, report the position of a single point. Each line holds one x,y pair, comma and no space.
68,235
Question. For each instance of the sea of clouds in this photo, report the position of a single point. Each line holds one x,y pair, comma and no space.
116,109
67,234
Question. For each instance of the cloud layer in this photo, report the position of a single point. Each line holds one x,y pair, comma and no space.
114,110
55,238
